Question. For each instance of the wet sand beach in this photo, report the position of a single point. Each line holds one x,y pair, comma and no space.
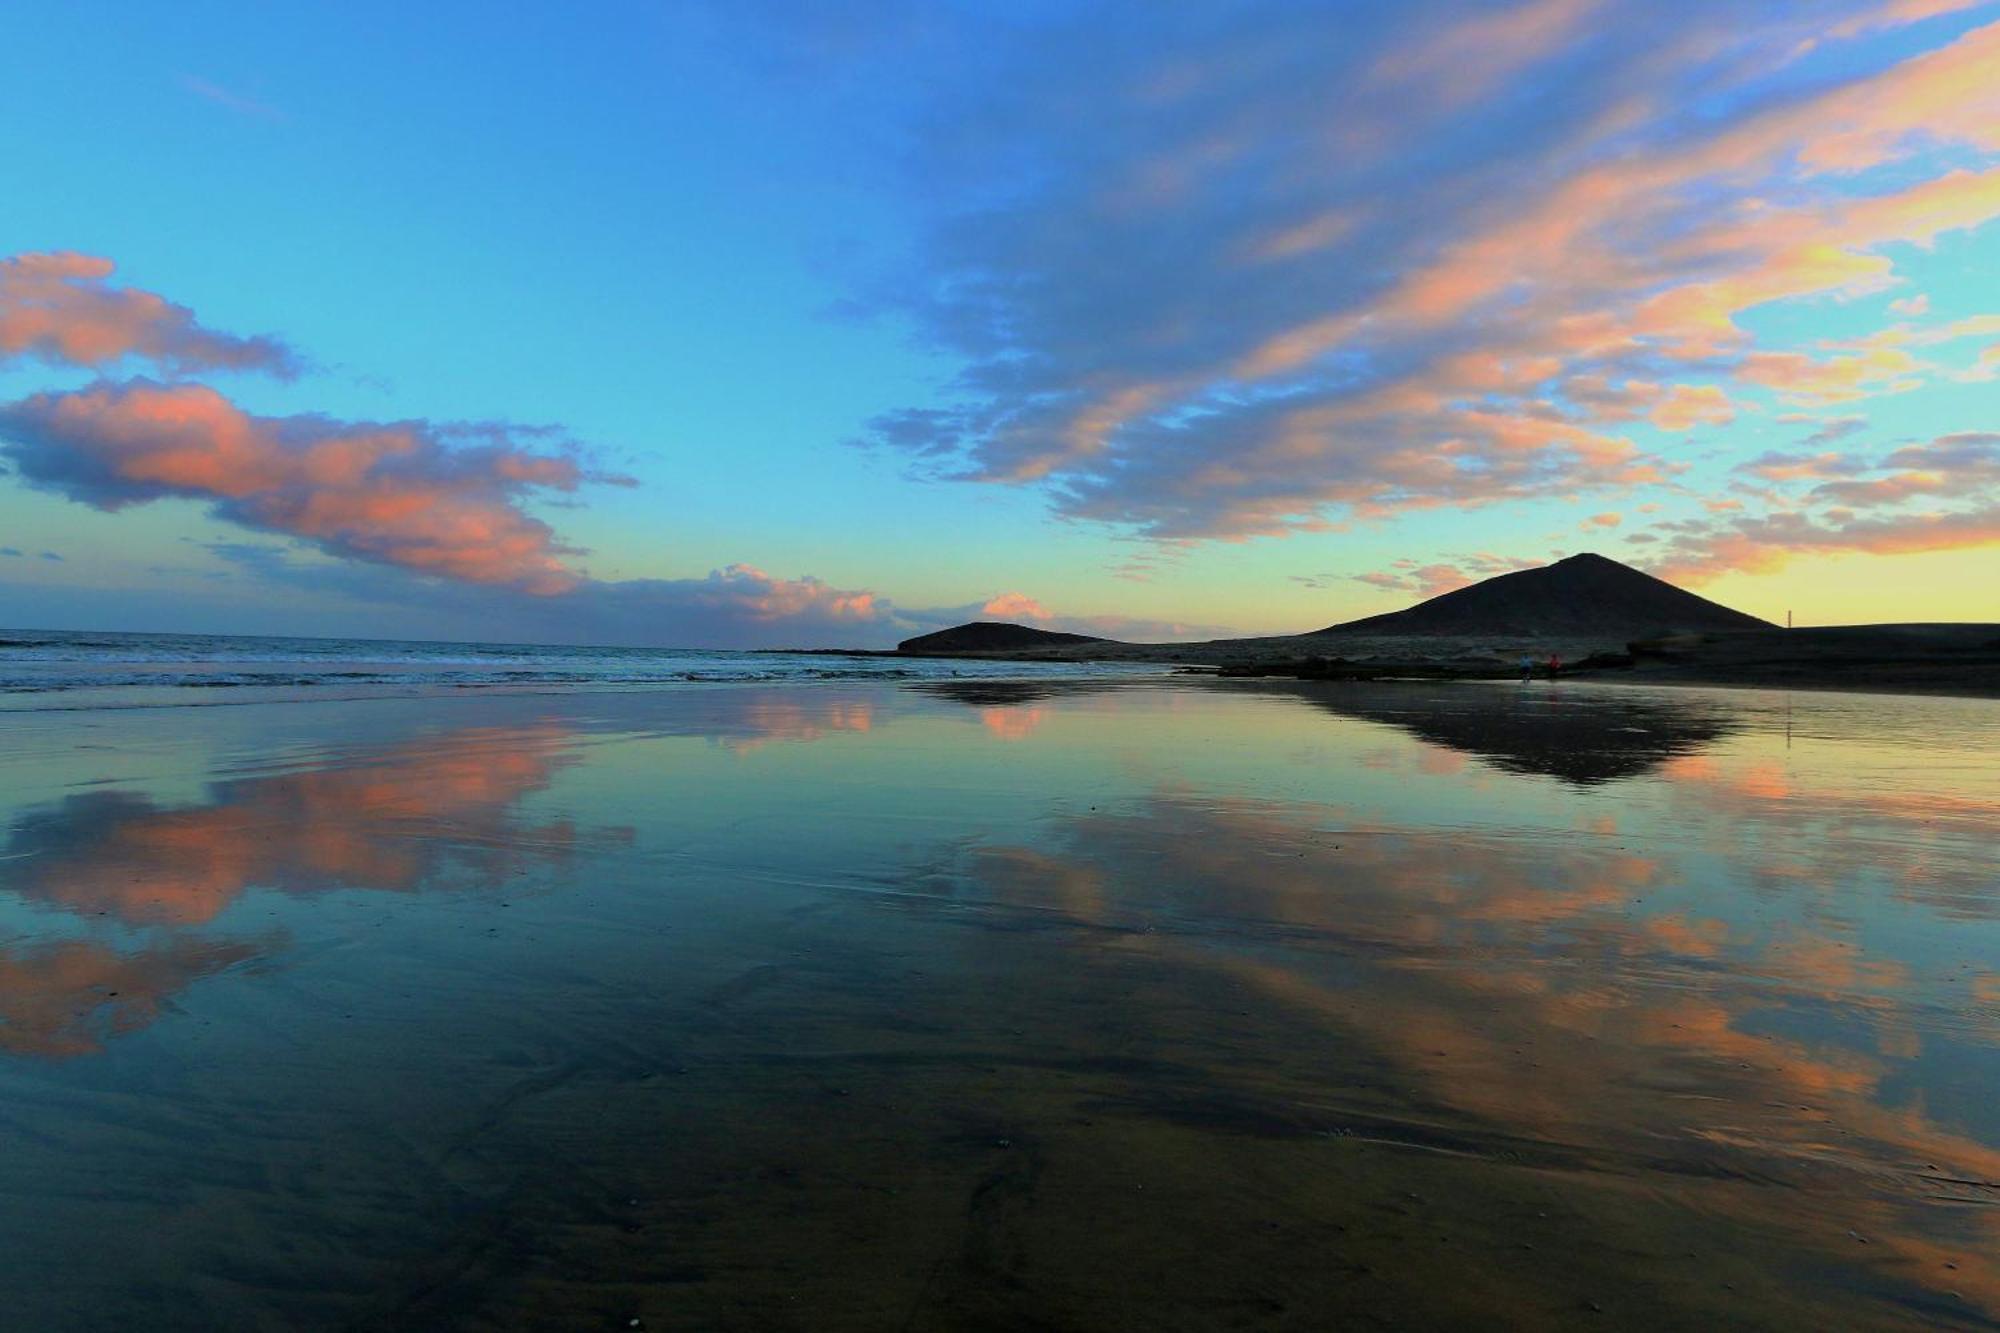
1182,1004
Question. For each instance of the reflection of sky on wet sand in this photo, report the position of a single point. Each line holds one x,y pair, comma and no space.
1583,999
1577,996
395,818
64,997
435,814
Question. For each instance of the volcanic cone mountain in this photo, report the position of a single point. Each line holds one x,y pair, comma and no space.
1585,594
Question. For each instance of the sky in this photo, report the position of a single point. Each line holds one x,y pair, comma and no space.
756,324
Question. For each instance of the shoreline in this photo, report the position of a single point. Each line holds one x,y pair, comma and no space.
1958,659
1274,951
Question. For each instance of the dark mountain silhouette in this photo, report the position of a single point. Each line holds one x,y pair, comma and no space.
1583,595
989,636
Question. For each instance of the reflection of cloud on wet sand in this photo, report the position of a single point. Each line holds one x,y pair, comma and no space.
1564,993
1809,832
430,812
793,715
435,812
1012,724
67,998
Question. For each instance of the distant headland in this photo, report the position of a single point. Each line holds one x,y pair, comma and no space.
989,636
1586,615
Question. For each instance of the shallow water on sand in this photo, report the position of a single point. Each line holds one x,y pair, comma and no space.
999,1005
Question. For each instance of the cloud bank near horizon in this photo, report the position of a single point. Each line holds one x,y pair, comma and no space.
736,606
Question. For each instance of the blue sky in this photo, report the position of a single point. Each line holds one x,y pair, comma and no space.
851,321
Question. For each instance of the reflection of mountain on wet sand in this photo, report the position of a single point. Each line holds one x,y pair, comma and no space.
1583,738
1005,693
1009,710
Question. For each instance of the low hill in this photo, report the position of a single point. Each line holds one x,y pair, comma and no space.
991,636
1583,595
1946,659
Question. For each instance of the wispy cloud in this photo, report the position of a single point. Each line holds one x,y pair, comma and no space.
1774,465
1769,542
1271,274
1940,495
1432,580
1832,430
210,91
1019,607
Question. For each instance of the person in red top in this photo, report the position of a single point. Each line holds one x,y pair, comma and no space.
1555,664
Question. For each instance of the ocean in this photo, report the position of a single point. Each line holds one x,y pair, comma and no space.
71,669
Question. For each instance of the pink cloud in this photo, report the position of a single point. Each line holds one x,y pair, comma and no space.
432,499
1799,378
749,592
1686,406
1774,466
1015,606
1465,58
1303,238
61,308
